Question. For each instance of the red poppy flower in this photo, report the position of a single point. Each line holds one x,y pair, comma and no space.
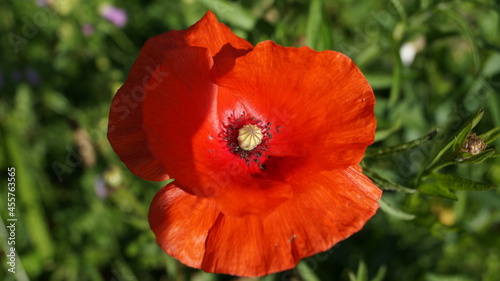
263,142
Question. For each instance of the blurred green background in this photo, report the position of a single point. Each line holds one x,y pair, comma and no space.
83,216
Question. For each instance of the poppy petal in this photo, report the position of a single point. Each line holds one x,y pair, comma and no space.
182,130
249,195
325,209
125,132
181,222
178,119
319,103
237,188
209,33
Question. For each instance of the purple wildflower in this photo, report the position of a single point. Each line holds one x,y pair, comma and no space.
115,15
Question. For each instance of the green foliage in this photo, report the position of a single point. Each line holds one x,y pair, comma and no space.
491,135
373,152
450,149
450,152
362,273
385,183
83,215
393,211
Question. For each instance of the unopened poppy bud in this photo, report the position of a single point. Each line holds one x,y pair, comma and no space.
249,136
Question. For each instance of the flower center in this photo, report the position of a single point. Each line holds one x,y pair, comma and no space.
249,137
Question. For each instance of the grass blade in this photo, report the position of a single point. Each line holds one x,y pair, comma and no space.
314,23
393,211
306,272
372,152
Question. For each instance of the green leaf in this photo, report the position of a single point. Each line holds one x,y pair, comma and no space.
491,135
438,191
440,184
439,160
232,13
306,272
352,277
362,273
474,159
371,152
384,133
432,186
378,81
457,183
314,23
28,192
491,66
20,273
380,274
386,184
468,33
460,139
476,117
393,211
399,8
397,77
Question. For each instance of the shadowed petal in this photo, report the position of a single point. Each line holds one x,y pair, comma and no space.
125,132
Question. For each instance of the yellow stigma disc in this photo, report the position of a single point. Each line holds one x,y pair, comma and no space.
249,136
